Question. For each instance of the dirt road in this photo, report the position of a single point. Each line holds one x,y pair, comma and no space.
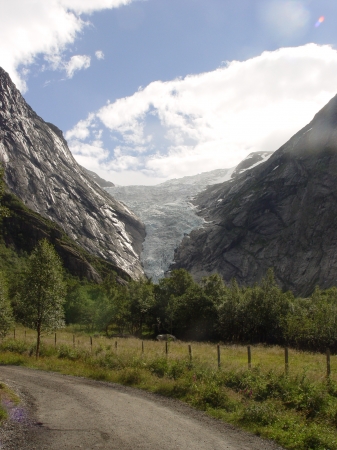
62,412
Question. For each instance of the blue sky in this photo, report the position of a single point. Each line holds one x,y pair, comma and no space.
149,90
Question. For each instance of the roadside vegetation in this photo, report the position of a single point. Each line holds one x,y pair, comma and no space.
298,410
9,402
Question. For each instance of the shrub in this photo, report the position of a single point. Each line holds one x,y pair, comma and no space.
159,367
130,376
262,414
66,352
210,395
15,346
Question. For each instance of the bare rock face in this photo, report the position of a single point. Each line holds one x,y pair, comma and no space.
100,181
41,171
280,214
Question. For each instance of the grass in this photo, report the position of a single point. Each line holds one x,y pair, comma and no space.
299,411
8,400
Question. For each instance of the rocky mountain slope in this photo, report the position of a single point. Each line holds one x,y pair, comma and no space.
21,231
168,213
281,214
100,181
41,171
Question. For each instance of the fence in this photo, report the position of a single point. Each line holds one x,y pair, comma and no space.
222,354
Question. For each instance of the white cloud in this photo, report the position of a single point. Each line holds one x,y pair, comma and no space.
32,27
99,54
89,6
77,62
213,120
81,129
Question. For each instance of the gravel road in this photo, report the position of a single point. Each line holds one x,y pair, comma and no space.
63,412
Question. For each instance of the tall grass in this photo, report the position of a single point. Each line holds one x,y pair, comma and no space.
298,410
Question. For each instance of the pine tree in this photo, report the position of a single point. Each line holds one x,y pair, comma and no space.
43,292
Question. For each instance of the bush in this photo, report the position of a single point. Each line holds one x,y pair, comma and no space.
159,367
211,395
15,346
130,376
263,414
66,352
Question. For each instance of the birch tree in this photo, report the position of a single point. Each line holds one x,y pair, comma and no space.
43,292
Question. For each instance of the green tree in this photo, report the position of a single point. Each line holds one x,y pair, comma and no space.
6,317
266,306
167,293
312,322
230,313
214,288
142,301
42,294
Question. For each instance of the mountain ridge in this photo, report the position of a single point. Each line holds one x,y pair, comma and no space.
41,171
280,214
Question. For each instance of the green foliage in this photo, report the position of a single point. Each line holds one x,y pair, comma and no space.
254,314
312,323
296,412
186,309
42,294
4,212
6,316
208,310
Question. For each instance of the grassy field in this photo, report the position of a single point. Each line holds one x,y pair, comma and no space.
298,410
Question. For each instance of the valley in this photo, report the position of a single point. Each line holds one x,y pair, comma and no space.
168,212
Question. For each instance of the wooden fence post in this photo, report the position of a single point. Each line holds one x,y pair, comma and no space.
142,346
91,343
286,360
166,348
219,356
14,334
25,335
73,340
190,352
249,357
55,339
116,345
328,366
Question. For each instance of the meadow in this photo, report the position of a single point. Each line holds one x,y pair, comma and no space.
298,409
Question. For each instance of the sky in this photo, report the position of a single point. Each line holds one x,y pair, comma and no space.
149,90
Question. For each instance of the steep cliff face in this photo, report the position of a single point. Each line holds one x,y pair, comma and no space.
100,181
24,228
41,171
281,214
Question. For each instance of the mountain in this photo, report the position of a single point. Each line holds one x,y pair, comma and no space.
41,171
168,213
21,231
280,214
100,181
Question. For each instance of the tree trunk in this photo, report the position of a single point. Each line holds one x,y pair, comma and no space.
38,341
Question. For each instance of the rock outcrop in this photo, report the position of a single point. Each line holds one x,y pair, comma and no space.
24,228
41,171
100,181
280,214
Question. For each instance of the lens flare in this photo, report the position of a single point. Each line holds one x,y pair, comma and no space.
319,21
